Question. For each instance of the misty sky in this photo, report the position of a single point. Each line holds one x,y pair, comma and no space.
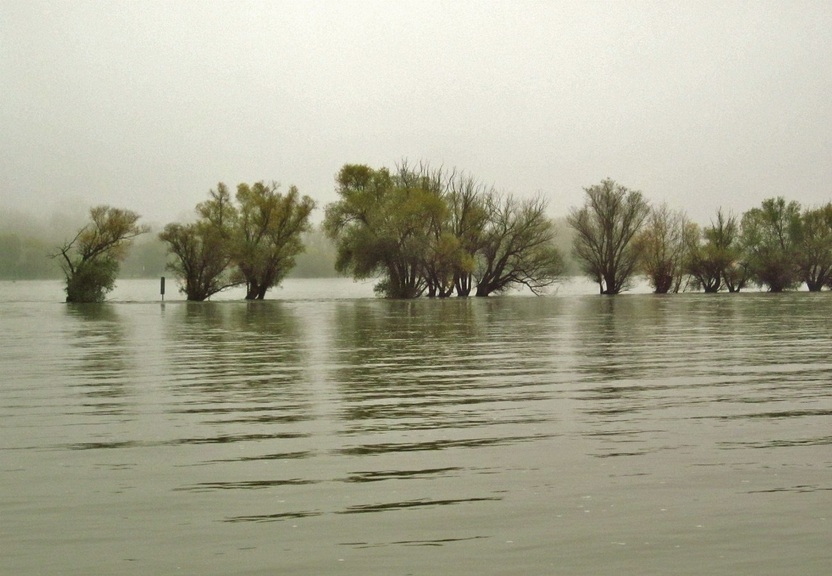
148,104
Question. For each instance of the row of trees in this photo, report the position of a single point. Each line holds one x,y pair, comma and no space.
429,231
776,246
251,241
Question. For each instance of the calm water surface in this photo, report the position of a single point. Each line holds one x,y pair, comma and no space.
328,432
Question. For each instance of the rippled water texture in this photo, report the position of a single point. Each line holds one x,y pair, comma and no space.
312,435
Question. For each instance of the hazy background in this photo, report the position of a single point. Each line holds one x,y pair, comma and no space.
148,104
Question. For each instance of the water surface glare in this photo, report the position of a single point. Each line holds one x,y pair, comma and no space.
563,435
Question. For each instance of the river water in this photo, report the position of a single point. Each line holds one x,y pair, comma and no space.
328,432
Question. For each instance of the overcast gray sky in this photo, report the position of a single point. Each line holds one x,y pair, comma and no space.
148,104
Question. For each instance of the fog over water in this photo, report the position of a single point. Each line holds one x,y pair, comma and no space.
325,431
148,104
329,432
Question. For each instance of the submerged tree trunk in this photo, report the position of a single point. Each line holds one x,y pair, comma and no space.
609,285
446,291
256,290
663,284
463,285
252,290
816,278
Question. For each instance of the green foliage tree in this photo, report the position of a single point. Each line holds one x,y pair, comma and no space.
90,260
715,258
430,231
268,234
769,235
605,227
437,248
381,227
203,250
663,245
813,239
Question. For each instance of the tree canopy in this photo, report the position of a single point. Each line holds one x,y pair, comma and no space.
769,237
203,250
715,257
430,231
813,242
253,242
90,260
517,247
605,227
381,227
663,245
418,230
267,236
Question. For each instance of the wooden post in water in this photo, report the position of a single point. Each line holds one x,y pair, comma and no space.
162,288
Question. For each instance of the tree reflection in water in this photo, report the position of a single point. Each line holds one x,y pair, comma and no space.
104,356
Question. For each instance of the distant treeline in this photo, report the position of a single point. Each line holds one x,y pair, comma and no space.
25,257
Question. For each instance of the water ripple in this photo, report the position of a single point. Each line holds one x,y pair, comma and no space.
498,435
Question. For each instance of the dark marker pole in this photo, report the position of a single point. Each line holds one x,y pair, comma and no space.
163,288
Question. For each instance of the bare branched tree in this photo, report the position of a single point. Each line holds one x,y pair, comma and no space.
518,247
663,244
468,219
604,231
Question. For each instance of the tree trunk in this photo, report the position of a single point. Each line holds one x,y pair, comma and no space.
663,284
609,286
463,285
251,290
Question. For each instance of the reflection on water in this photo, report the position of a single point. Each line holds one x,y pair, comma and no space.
99,343
571,435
